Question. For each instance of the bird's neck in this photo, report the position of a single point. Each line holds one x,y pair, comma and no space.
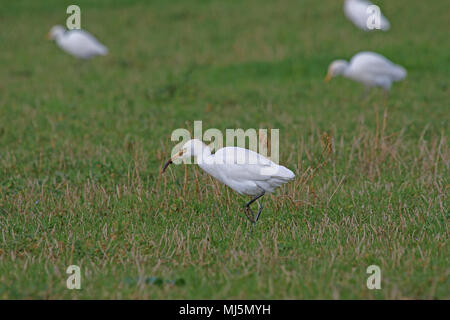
207,164
202,151
346,70
204,158
59,37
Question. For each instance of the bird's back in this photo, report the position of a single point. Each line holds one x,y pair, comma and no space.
374,65
82,44
248,172
356,11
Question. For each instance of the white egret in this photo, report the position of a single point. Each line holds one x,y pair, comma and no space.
359,12
369,68
244,171
79,43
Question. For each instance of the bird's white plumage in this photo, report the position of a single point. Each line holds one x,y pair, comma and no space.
243,170
358,13
369,68
78,43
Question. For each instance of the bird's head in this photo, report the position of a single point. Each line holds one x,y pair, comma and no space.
193,147
55,32
335,69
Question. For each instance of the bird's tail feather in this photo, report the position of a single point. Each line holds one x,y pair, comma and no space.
284,174
385,25
399,73
103,50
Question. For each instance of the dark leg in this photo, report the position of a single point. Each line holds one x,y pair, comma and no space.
249,214
248,210
259,211
365,94
83,65
256,198
386,96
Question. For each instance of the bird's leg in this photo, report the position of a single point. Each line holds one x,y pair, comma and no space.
364,95
386,96
248,210
254,199
249,214
259,211
82,65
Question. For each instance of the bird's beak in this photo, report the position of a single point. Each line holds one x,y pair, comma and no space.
166,165
170,161
328,78
47,36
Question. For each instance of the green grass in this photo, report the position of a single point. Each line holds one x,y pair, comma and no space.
81,148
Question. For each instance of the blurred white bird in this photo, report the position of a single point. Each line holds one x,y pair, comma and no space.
79,43
369,68
359,12
244,171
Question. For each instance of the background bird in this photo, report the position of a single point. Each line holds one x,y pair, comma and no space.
358,13
369,68
243,170
78,43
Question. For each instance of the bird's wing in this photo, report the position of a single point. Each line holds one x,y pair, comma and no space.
84,43
243,164
376,65
356,11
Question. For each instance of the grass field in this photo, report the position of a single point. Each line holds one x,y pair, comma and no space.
82,146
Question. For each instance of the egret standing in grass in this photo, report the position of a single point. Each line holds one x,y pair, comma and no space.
360,13
368,68
243,170
79,43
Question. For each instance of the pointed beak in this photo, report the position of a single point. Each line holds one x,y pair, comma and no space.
170,161
328,78
47,36
166,165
